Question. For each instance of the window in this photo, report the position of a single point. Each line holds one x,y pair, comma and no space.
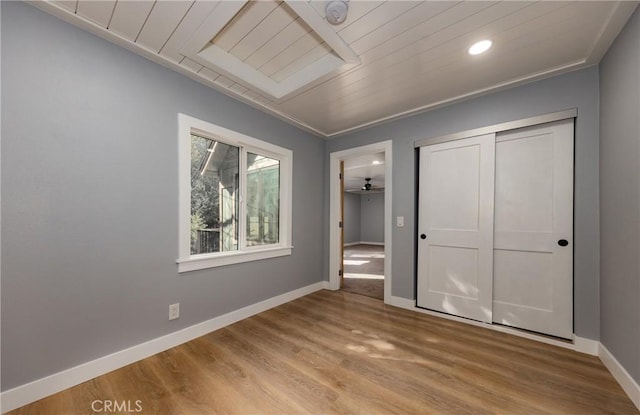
263,200
235,197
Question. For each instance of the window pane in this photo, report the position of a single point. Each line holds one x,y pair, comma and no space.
263,200
214,196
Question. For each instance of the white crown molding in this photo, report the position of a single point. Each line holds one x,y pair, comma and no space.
618,17
573,66
605,39
91,27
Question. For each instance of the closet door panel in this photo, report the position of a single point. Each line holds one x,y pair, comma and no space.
455,262
533,211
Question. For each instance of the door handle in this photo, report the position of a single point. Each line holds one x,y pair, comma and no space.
423,236
563,242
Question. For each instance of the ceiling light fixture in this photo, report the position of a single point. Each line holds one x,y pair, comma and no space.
376,162
336,11
367,186
480,47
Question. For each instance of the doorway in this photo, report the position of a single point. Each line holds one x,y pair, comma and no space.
363,257
363,225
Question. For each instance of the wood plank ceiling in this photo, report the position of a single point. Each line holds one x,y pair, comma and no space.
411,55
359,168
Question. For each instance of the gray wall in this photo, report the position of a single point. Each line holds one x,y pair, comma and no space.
90,200
363,217
620,198
351,218
577,89
372,217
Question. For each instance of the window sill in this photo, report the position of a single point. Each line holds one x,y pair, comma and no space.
228,258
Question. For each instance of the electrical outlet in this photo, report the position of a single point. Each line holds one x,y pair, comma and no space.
174,311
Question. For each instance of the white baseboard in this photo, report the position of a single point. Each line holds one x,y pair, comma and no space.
629,385
585,345
579,344
41,388
400,302
364,243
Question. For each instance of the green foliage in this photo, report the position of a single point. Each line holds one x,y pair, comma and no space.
204,188
197,222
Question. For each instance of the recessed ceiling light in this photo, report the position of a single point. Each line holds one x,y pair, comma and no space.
480,47
376,162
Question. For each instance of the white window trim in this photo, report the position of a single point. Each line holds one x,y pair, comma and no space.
186,262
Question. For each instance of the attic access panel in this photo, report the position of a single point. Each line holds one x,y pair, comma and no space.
236,31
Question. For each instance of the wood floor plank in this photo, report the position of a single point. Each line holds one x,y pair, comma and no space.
342,353
360,263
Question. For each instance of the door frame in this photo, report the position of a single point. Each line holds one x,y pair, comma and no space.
341,219
496,128
335,207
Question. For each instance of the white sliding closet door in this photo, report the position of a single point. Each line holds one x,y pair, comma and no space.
533,256
455,247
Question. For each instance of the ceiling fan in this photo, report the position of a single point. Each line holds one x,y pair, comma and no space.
369,187
370,184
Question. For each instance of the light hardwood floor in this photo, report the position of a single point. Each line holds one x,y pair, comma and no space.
364,270
336,352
